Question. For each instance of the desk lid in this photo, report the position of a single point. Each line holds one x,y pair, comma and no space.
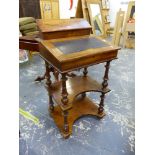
67,54
62,25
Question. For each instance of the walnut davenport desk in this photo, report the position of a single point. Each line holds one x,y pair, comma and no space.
67,97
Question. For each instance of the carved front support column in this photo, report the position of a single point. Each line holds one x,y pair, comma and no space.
106,77
55,73
48,85
64,93
66,126
101,105
64,100
104,86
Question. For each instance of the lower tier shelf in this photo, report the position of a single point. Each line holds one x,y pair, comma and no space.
75,86
81,107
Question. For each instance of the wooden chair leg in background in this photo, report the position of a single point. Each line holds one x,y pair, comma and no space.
51,69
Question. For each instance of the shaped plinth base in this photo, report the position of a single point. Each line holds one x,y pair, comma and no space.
81,107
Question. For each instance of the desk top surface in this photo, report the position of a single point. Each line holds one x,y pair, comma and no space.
76,52
77,45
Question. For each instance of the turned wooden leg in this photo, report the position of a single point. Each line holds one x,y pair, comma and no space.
51,69
51,103
104,85
47,75
66,126
55,73
106,77
48,86
101,105
64,93
40,78
85,72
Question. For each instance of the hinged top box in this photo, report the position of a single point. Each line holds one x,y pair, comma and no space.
53,29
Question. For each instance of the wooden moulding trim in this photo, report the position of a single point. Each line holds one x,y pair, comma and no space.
74,29
50,48
65,34
67,68
84,54
70,38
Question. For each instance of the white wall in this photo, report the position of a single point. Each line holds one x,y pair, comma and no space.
115,5
64,8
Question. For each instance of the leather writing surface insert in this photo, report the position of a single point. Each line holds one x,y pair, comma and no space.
72,46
